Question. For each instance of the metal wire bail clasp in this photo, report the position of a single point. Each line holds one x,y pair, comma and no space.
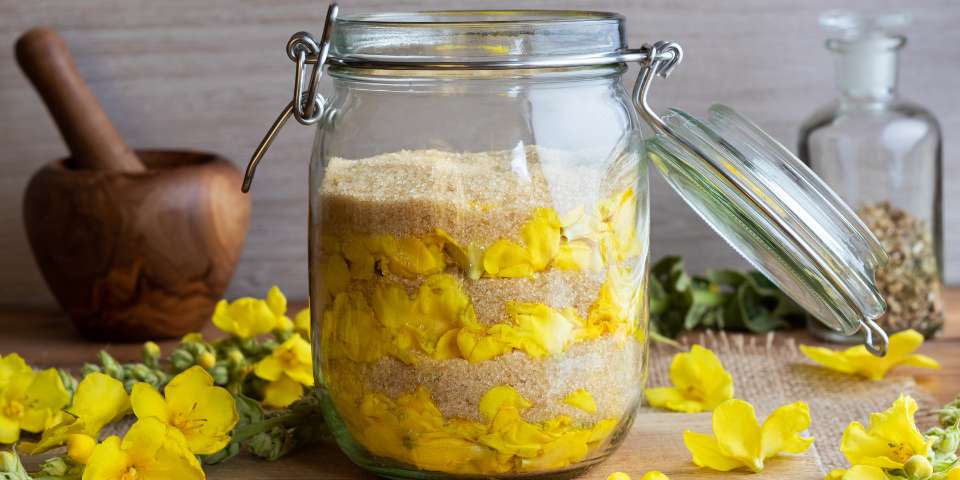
308,107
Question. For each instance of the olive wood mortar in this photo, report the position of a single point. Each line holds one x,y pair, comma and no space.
133,245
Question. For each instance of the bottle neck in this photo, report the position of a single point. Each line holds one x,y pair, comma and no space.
866,68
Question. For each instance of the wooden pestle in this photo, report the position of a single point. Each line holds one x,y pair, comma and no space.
93,141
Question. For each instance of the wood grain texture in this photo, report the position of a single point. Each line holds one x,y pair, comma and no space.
138,255
211,75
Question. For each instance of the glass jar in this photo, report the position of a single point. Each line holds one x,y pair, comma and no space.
479,231
882,155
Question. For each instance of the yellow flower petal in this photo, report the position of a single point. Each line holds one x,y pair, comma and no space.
618,476
99,400
107,461
11,366
9,430
282,392
707,453
43,400
505,258
862,472
581,399
671,398
269,368
276,301
501,396
738,433
301,322
245,317
829,358
781,430
542,235
148,402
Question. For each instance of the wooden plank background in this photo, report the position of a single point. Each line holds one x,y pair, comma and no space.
212,75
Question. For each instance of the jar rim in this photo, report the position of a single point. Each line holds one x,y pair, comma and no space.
479,39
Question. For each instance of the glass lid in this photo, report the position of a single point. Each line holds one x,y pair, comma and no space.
776,212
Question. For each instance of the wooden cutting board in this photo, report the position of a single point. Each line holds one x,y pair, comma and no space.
655,443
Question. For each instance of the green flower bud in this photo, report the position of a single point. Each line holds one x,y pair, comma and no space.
55,466
8,462
69,382
918,468
945,441
151,354
235,357
139,371
220,374
89,368
110,365
950,414
182,359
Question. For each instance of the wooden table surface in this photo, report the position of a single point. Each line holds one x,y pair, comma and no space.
47,339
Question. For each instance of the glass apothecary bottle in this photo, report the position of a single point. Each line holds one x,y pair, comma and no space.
479,233
882,155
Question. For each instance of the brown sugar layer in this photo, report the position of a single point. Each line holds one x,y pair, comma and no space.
608,368
475,197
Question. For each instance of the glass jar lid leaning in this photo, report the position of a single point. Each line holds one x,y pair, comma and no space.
753,191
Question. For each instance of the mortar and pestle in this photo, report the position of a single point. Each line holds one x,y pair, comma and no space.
134,245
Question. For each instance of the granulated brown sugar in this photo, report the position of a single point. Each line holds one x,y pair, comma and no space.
475,197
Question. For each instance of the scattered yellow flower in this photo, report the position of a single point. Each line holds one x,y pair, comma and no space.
203,413
618,476
79,447
581,399
542,235
858,360
29,400
288,369
99,400
890,441
700,383
740,441
248,317
149,450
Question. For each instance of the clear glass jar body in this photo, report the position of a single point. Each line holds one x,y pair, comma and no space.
883,157
478,269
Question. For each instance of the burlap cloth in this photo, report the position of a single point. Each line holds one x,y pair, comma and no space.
769,371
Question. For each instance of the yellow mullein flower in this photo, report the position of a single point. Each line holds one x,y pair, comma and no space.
29,400
99,400
858,360
700,383
891,439
248,317
288,369
204,414
740,441
149,450
301,322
